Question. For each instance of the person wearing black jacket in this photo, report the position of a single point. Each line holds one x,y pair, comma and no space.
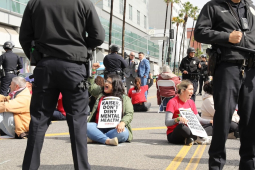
59,30
190,68
231,23
11,64
203,73
114,63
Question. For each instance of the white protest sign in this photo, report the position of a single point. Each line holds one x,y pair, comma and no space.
193,123
110,112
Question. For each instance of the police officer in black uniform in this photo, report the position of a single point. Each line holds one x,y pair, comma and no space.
11,64
190,67
61,42
114,63
203,73
227,25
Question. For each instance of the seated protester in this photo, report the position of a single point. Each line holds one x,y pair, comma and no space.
15,113
177,130
99,81
168,92
113,86
29,83
59,113
137,95
208,111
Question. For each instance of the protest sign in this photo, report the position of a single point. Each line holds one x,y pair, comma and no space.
193,123
110,112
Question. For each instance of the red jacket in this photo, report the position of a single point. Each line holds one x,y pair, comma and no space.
166,91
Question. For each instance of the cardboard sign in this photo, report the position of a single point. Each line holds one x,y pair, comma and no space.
193,123
110,112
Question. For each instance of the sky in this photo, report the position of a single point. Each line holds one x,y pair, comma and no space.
200,4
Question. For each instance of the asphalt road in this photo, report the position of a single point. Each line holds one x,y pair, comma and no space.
148,151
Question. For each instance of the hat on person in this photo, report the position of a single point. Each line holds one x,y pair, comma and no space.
166,69
203,56
30,80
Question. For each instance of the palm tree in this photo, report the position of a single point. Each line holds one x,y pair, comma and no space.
169,43
123,29
177,21
187,9
194,15
110,26
167,4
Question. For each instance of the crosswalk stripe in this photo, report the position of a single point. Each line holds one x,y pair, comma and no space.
194,161
179,157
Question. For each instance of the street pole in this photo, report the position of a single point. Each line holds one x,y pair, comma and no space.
123,29
110,27
147,47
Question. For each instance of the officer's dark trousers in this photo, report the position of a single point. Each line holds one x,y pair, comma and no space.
230,88
195,84
53,76
6,82
202,80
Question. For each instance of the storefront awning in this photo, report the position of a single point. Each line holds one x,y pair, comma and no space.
9,34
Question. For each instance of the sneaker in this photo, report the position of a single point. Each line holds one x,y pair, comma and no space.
199,94
204,141
89,140
189,141
114,141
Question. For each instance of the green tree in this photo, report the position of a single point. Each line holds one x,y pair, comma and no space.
186,11
178,21
194,16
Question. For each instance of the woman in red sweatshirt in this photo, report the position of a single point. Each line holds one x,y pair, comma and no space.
137,95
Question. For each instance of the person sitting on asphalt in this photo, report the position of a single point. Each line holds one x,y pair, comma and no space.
99,81
15,110
137,95
122,132
59,113
208,111
168,92
177,130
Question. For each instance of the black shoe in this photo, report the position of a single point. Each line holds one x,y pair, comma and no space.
189,141
236,134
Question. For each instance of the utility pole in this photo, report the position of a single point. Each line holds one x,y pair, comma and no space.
110,27
123,29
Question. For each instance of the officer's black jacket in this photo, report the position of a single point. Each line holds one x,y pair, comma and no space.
203,68
190,65
10,61
59,28
216,22
114,62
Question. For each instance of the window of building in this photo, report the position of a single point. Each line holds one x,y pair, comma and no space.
138,17
145,21
121,6
130,12
109,3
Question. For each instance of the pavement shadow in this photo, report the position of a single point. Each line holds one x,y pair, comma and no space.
187,160
71,167
151,141
67,139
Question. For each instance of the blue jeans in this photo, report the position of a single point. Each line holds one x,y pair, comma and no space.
102,134
143,83
163,105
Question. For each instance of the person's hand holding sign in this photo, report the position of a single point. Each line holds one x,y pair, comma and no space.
120,127
181,120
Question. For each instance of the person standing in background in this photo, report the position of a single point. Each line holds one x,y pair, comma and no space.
143,70
130,70
203,73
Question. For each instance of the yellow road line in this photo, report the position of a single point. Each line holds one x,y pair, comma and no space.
194,161
151,97
134,129
179,157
